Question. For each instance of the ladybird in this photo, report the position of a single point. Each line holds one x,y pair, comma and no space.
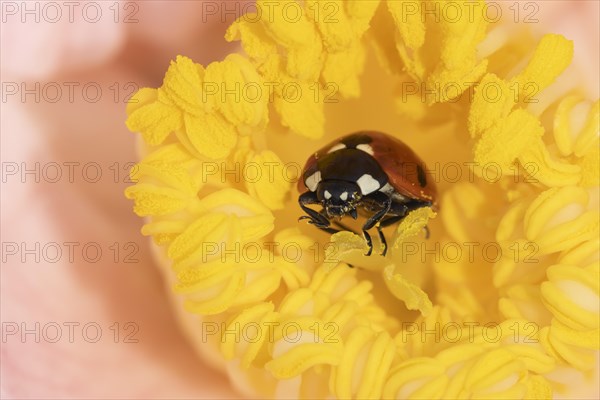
368,172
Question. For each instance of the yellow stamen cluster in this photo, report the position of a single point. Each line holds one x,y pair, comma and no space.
412,324
316,51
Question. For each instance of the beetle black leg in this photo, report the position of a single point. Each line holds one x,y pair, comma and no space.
396,211
387,222
382,224
383,241
329,230
391,220
383,202
369,242
400,209
316,218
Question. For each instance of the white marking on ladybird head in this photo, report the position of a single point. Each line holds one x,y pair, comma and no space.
367,184
327,195
337,147
312,181
344,196
366,148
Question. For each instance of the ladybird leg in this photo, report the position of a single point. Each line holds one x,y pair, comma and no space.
341,226
324,228
317,219
327,229
384,202
387,222
369,242
382,239
391,220
401,209
398,211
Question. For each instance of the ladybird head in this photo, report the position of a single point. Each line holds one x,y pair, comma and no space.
339,198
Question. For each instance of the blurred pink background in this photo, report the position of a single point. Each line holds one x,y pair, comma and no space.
104,50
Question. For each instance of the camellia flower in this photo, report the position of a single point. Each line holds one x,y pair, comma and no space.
500,302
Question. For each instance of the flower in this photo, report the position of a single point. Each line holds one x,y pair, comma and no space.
498,303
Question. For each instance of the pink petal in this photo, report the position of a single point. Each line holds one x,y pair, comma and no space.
51,293
40,38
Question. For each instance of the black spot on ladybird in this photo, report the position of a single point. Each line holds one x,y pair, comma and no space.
421,176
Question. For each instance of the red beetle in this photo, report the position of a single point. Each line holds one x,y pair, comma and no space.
367,171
